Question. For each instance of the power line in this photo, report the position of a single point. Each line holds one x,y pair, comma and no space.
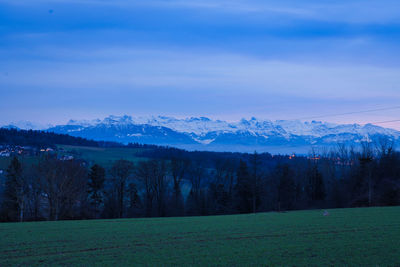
350,113
379,122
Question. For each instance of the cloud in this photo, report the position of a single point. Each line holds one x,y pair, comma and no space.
352,11
192,57
132,69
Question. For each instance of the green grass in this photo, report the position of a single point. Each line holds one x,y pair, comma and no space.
102,156
347,237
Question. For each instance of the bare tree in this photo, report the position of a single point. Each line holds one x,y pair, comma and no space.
143,173
385,147
121,171
35,193
196,174
159,173
366,159
178,170
63,182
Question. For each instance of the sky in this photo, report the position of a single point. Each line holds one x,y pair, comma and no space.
225,59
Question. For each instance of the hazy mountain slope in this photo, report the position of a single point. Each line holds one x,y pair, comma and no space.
206,134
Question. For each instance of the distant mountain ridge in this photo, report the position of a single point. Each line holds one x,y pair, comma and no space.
202,133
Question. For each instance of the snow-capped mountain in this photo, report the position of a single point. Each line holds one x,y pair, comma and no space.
27,125
202,133
245,135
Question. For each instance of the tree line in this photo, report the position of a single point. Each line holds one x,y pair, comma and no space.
41,139
45,139
188,184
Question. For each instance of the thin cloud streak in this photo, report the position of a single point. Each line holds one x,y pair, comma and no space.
206,72
354,11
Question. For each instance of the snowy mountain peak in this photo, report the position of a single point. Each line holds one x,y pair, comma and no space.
83,122
243,135
203,126
27,125
125,119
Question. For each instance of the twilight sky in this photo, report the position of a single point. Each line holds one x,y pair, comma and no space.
227,59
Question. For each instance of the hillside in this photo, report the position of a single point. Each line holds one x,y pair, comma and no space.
104,156
352,237
41,139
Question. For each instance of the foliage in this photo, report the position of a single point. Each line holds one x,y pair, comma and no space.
15,191
40,138
97,176
172,182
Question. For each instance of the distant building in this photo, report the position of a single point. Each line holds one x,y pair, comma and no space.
66,157
4,154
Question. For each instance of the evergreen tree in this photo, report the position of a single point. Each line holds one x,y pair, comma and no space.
97,177
14,192
316,187
255,180
286,187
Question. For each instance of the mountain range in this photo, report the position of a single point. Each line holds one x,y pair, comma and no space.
201,133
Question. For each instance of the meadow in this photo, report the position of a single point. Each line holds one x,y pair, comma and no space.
351,237
104,156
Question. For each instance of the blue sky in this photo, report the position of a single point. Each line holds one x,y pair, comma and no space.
85,59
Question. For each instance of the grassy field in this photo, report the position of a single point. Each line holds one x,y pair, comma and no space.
352,237
102,156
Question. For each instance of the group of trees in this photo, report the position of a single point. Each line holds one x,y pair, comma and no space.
44,139
41,139
179,184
